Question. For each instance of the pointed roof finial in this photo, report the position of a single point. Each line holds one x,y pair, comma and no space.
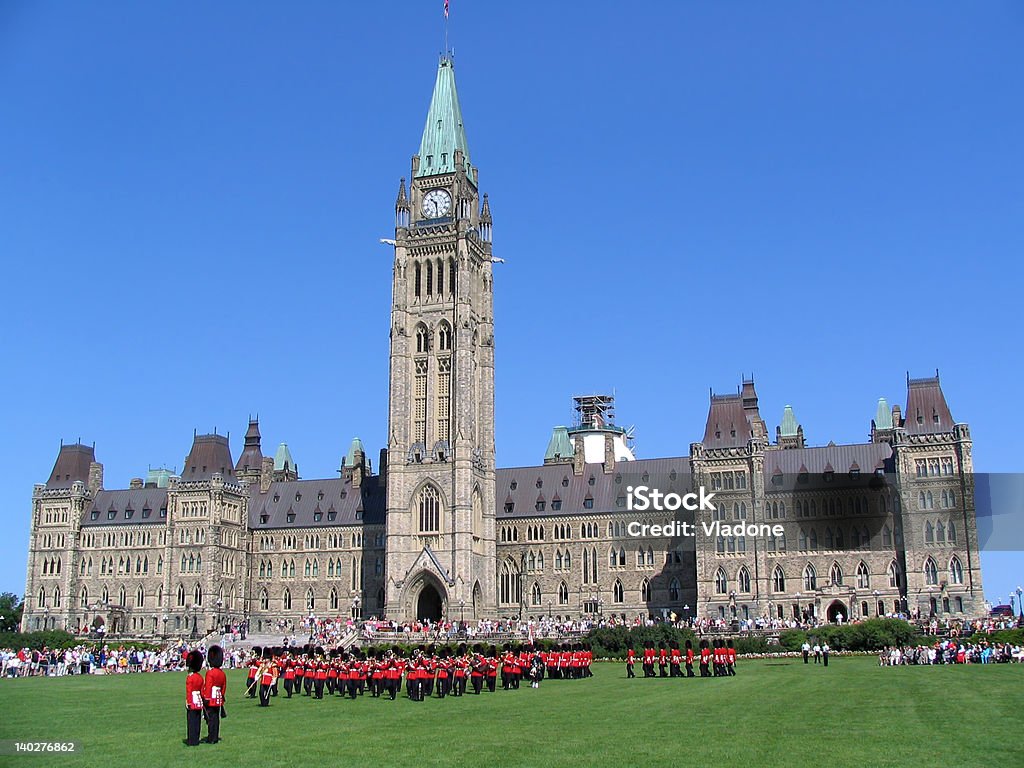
485,210
883,415
403,199
789,425
444,131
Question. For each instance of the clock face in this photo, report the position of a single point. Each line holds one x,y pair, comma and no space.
436,203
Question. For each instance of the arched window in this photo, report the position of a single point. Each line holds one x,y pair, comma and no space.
721,583
264,600
778,580
535,594
863,577
429,506
810,578
673,590
645,591
894,574
41,598
310,600
181,595
951,532
940,532
563,594
814,539
929,533
286,599
956,571
509,583
613,557
743,580
567,563
617,591
140,597
197,595
650,556
931,572
56,597
85,597
836,574
622,557
422,338
444,337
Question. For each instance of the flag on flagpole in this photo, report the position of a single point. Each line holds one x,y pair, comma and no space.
446,9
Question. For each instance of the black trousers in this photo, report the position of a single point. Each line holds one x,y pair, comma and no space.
491,682
307,684
320,688
824,660
288,687
264,695
193,722
478,683
689,669
629,671
213,724
252,686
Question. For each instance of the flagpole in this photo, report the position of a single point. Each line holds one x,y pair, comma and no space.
446,29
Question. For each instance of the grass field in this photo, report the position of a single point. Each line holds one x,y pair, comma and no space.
772,713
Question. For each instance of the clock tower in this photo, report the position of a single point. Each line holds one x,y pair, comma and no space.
440,465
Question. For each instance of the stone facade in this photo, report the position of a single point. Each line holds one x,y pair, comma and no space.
878,527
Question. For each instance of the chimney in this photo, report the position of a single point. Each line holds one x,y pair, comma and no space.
95,477
382,467
609,453
266,473
135,483
579,460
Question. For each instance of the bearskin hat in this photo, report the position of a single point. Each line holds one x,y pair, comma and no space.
689,645
194,661
215,656
268,652
703,644
729,642
257,652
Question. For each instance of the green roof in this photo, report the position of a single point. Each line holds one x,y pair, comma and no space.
789,426
883,416
356,447
158,477
559,446
444,131
283,458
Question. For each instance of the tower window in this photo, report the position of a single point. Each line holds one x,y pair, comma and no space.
429,507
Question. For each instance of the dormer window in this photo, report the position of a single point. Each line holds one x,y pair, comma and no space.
556,505
264,518
94,515
588,503
111,514
828,475
332,515
540,506
509,507
163,511
128,514
318,516
298,496
359,514
590,480
277,498
514,485
565,482
291,517
320,496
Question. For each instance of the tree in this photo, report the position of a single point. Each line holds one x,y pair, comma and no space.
11,607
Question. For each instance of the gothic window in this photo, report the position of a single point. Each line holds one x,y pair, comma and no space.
56,597
420,400
617,595
839,537
673,590
286,599
586,566
720,545
743,580
181,595
140,597
814,539
645,591
440,277
639,557
721,583
429,507
829,539
535,594
622,557
85,597
929,533
422,339
451,277
836,575
778,580
264,600
931,572
894,574
940,533
886,536
334,599
593,565
444,337
563,594
810,578
444,379
951,532
197,595
509,583
863,577
430,277
310,600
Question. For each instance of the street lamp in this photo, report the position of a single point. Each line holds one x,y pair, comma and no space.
220,604
1020,606
195,620
165,617
549,609
462,611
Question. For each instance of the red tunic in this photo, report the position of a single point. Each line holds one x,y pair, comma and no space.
215,686
194,691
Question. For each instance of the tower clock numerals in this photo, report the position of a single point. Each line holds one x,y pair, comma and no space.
436,203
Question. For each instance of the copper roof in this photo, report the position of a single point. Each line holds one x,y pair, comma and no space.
210,455
127,507
72,465
336,501
927,411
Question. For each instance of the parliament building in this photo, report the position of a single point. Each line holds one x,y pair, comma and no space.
433,529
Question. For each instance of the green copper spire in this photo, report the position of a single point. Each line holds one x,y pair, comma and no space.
789,426
283,458
355,448
444,131
883,416
559,447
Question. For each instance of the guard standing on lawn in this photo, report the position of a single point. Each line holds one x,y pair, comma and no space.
705,658
193,698
730,657
213,693
675,658
630,662
689,659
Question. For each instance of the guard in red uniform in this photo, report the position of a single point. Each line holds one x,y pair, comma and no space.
730,657
289,676
254,665
213,693
662,660
705,659
689,659
630,662
193,698
675,659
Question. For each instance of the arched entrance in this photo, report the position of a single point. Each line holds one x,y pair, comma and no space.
429,604
835,609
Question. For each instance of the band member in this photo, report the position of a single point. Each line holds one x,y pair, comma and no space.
537,669
214,689
266,677
649,655
630,662
705,659
730,657
193,697
477,672
321,677
689,658
254,665
662,660
492,668
675,659
393,677
289,676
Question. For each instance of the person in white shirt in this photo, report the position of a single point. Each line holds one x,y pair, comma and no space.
805,649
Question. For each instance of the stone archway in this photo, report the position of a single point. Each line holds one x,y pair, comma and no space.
429,604
835,608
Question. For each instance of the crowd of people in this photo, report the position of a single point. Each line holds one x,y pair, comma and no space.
99,659
952,651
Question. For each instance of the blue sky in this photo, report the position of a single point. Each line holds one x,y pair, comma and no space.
825,196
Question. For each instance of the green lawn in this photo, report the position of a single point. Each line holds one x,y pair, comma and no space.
772,713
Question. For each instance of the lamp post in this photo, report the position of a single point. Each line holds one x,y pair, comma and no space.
874,593
165,617
220,605
1020,606
195,620
549,609
462,611
686,613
